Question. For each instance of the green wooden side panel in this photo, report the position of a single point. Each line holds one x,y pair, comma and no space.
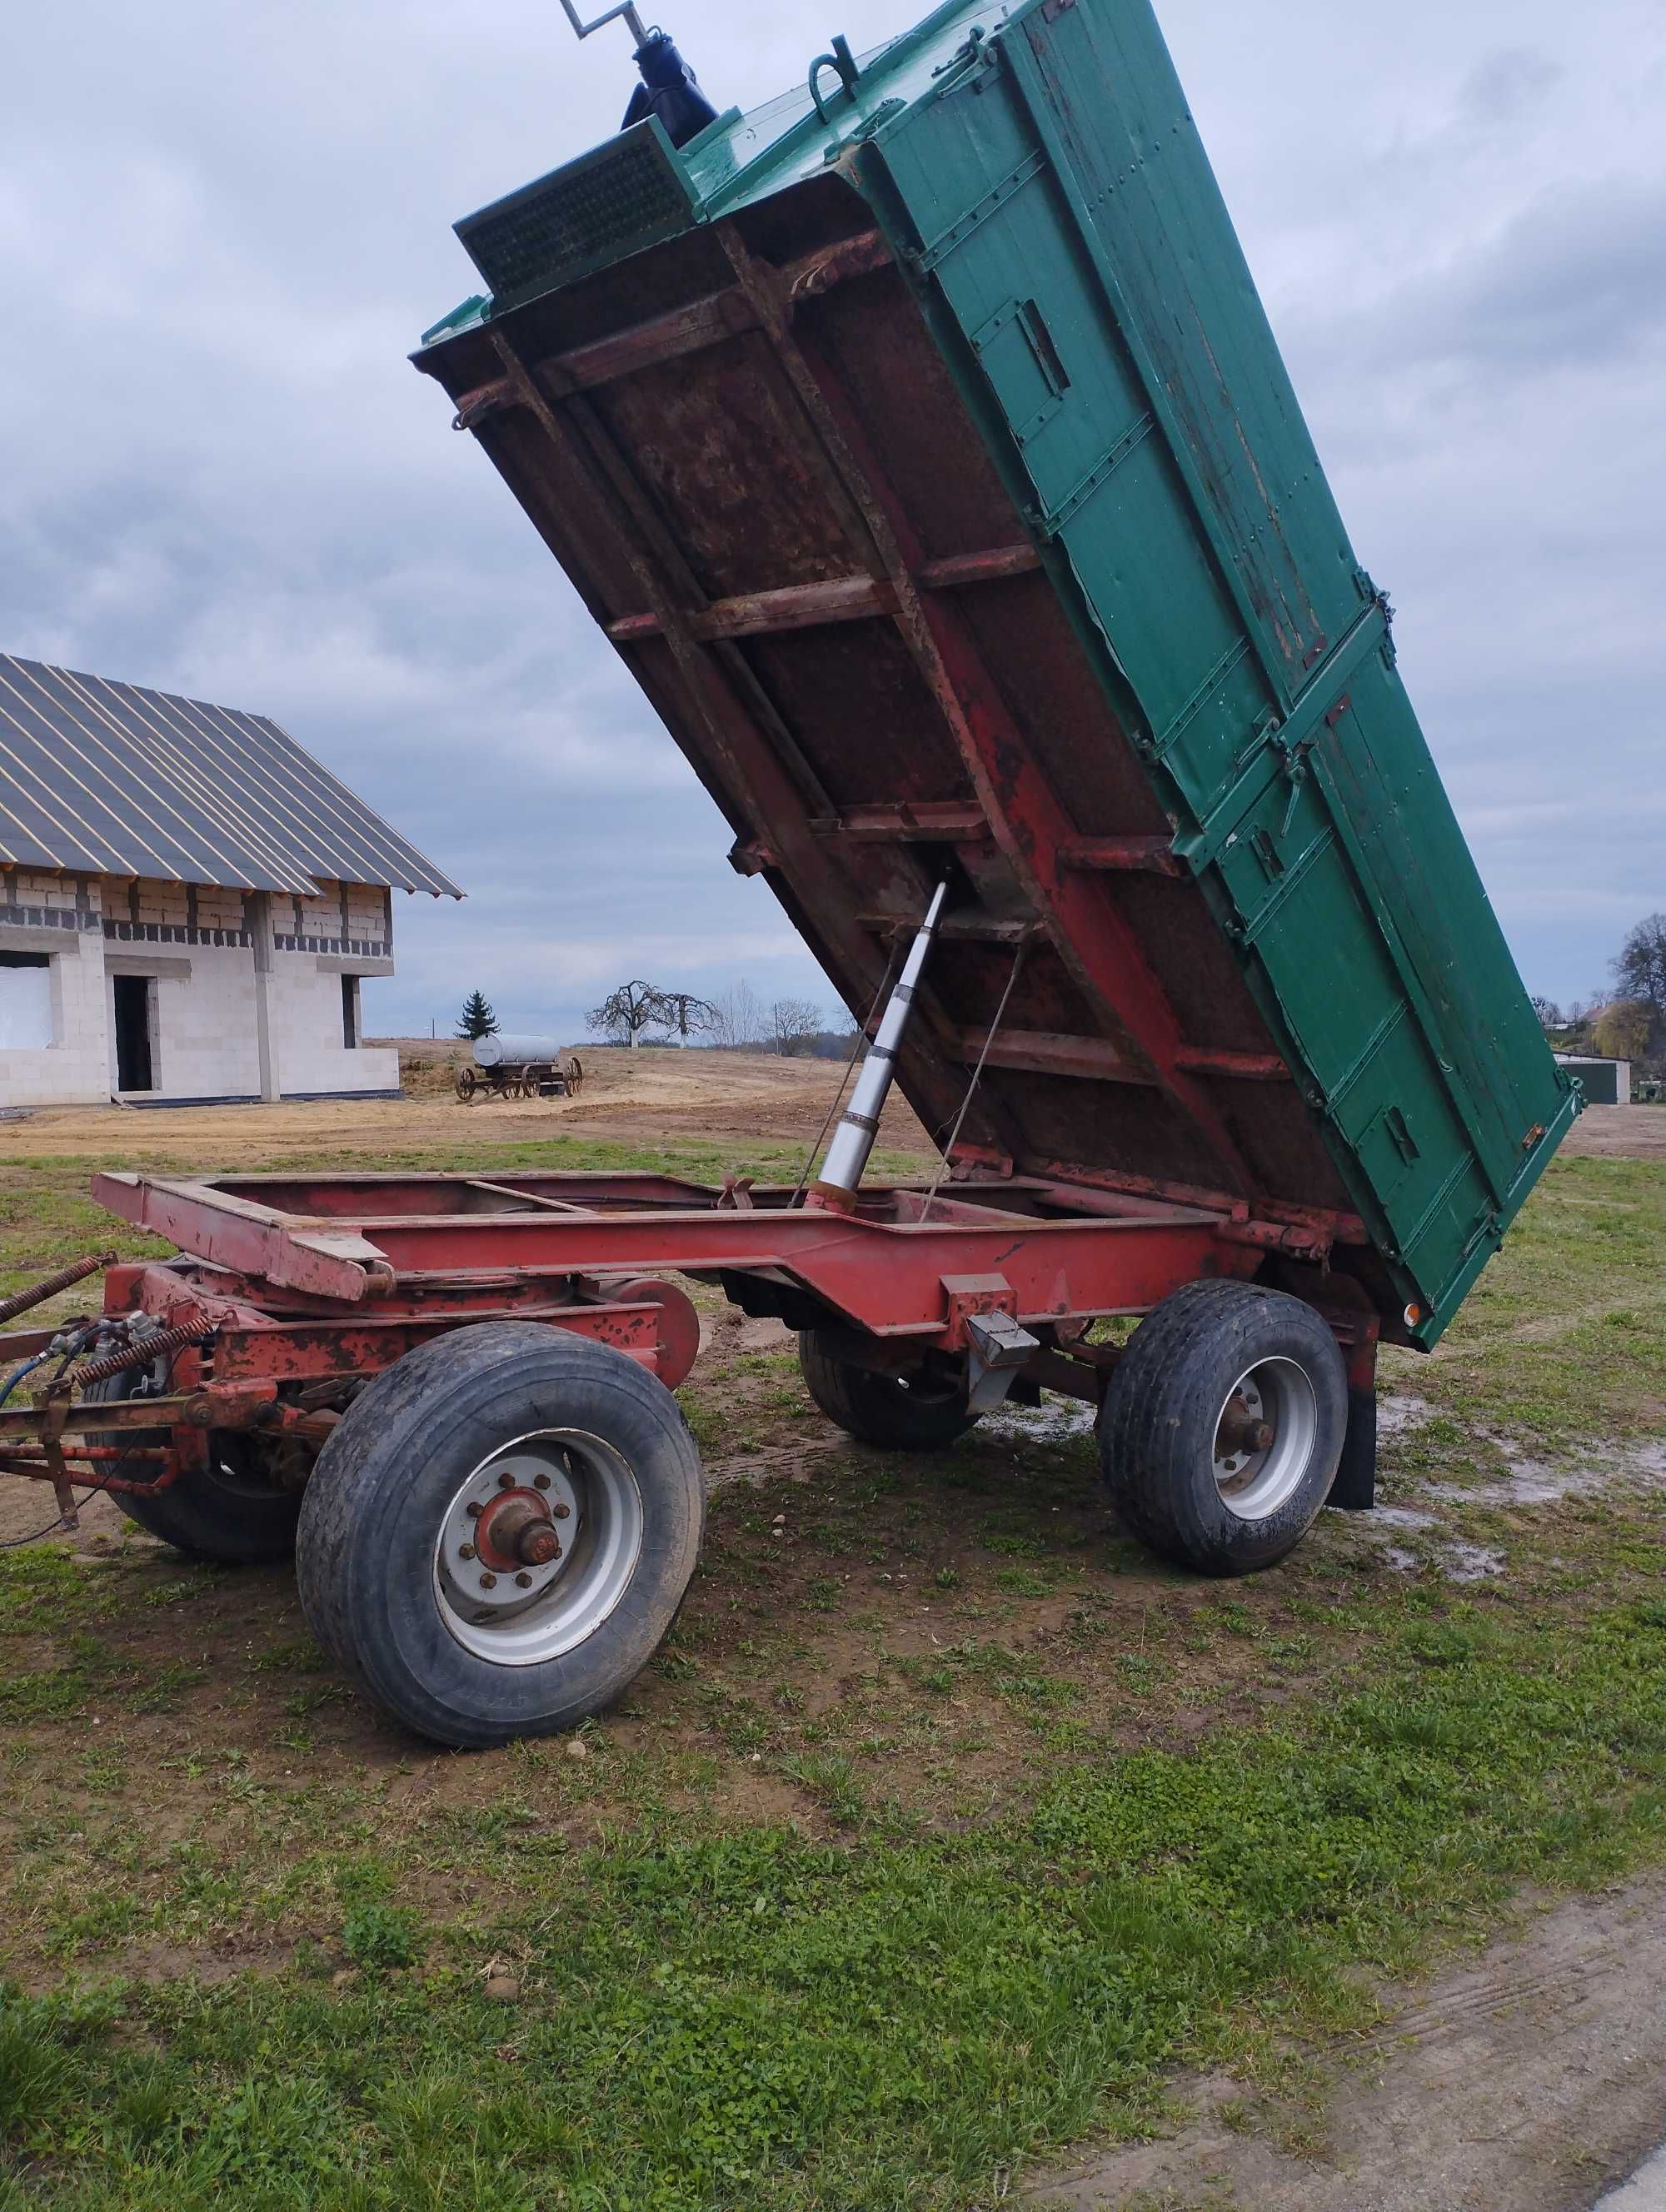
1059,221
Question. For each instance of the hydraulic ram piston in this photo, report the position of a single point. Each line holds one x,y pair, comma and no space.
859,1124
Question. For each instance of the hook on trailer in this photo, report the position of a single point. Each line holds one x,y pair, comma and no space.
840,61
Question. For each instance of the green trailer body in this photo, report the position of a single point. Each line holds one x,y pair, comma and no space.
922,445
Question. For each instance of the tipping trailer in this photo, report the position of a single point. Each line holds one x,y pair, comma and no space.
921,444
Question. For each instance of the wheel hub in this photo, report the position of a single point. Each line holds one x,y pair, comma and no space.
537,1547
501,1544
517,1529
1265,1437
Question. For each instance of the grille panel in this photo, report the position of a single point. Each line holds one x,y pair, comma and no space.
610,204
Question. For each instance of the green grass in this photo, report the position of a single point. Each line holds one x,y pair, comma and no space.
944,1828
736,2018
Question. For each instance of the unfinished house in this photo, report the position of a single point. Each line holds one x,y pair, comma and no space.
189,902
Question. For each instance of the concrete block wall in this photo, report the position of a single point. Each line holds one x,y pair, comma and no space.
163,902
219,909
320,917
306,1033
30,887
204,1045
73,1070
205,1032
366,913
343,920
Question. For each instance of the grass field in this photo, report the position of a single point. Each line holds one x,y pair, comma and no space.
944,1830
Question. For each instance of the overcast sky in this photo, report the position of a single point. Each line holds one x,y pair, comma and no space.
222,228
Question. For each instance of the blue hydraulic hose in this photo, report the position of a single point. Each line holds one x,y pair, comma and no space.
27,1368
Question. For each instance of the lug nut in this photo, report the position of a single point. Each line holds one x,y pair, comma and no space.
466,1551
506,1482
540,1482
475,1512
489,1581
559,1512
525,1581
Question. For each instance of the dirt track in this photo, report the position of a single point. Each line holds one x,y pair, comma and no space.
1523,2082
627,1097
1618,1132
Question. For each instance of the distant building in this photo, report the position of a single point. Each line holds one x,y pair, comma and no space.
188,902
1605,1082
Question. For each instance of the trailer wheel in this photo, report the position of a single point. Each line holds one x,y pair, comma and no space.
501,1530
1223,1425
899,1412
229,1510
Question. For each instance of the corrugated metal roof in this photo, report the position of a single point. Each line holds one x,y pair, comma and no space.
112,779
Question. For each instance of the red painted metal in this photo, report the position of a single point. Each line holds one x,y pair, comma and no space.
876,1271
296,1289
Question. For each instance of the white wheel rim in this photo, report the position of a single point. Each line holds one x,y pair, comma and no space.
517,1613
1254,1479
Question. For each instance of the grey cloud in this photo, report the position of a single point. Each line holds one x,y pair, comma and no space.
1508,83
1579,275
221,230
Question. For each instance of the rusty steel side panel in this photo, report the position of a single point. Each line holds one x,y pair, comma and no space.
841,752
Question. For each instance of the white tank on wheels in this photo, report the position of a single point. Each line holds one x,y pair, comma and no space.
500,1051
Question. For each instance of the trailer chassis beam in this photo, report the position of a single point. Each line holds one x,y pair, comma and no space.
877,1266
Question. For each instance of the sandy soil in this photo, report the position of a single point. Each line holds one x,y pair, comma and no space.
627,1098
1526,2081
1618,1132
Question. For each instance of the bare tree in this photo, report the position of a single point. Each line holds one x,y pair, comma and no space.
686,1014
1549,1013
792,1023
625,1014
740,1019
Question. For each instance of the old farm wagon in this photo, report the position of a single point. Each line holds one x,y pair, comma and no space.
501,1067
921,444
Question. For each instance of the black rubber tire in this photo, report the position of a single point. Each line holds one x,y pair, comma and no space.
880,1409
237,1521
1157,1424
373,1509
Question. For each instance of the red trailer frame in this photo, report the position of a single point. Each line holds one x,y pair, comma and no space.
292,1289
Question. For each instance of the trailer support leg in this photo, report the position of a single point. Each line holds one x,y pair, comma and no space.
1355,1490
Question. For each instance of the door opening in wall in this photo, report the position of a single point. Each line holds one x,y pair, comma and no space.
136,1001
350,1011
